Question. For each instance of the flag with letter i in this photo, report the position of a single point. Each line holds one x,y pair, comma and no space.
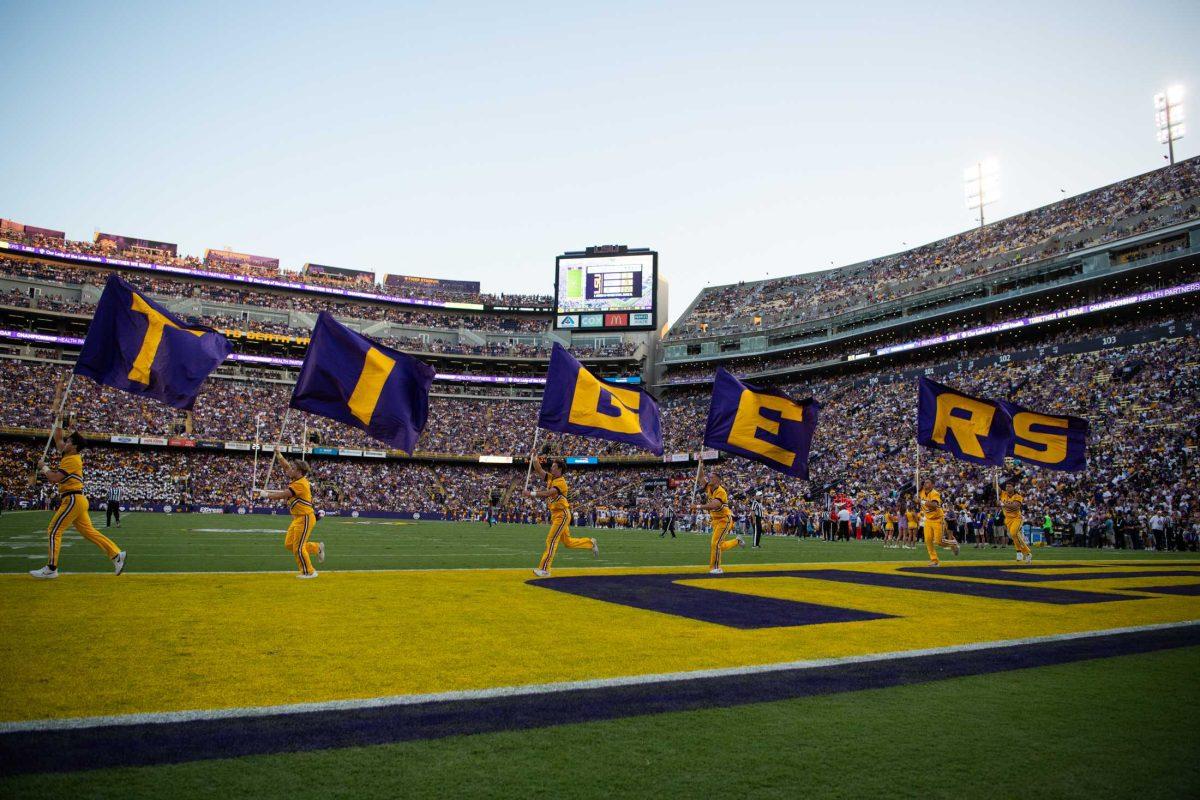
136,345
576,401
366,385
761,424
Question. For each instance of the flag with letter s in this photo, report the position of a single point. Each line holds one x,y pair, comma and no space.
1053,441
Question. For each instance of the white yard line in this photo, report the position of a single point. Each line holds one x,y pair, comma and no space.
74,723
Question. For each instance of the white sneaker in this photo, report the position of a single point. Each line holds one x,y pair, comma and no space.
542,573
1029,557
595,549
312,574
1020,557
717,571
954,548
321,553
119,562
741,542
935,563
44,574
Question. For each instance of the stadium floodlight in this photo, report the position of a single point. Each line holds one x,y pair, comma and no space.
982,184
1169,118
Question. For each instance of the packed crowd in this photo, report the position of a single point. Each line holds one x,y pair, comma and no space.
446,324
1142,453
788,360
1149,201
261,271
214,291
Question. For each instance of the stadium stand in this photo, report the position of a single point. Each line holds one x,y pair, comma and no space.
1132,368
1148,201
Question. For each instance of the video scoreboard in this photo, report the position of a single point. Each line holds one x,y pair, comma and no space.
606,289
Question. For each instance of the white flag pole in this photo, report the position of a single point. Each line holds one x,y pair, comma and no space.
282,428
257,446
58,412
532,455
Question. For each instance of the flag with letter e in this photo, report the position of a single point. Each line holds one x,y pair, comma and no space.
969,428
136,345
1054,441
366,385
576,401
761,424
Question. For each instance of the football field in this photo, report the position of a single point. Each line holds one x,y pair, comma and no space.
428,660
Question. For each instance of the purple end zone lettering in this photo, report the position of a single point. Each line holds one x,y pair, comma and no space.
666,595
1031,574
663,593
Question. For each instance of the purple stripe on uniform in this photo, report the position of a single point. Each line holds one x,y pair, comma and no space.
179,742
56,527
549,558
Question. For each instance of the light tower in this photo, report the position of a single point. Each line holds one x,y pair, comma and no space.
982,184
1169,118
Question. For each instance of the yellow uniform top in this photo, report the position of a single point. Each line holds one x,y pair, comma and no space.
1015,497
300,502
912,518
72,465
718,493
932,513
558,503
890,520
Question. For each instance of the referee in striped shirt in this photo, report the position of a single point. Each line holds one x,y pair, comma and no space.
114,505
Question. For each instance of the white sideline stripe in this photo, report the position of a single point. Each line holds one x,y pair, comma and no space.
165,717
701,572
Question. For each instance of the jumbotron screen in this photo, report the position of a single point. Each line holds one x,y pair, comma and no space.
601,292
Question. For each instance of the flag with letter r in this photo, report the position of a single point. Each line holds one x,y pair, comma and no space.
135,345
969,428
366,385
576,401
761,424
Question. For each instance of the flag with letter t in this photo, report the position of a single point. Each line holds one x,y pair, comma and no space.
761,424
136,345
366,385
576,401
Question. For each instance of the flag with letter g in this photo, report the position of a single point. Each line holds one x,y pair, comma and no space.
135,345
761,424
969,428
366,385
576,401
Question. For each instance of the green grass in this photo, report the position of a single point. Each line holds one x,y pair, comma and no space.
1119,727
1078,730
216,542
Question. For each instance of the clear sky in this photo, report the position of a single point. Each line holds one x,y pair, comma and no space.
479,140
